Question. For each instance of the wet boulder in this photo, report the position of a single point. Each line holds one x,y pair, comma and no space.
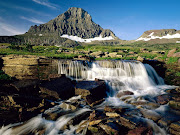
110,128
93,92
114,109
175,128
110,114
61,87
124,93
127,123
174,105
141,131
93,129
26,87
96,115
94,122
163,99
168,119
67,106
131,122
150,114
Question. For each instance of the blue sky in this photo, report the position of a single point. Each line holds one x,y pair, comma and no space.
128,19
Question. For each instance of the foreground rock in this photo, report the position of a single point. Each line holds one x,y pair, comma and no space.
93,92
61,87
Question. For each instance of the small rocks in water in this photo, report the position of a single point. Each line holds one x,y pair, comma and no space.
67,106
110,114
109,129
150,114
124,93
141,131
114,109
82,126
174,105
96,114
94,122
92,101
78,118
93,129
163,99
74,99
175,128
167,120
127,123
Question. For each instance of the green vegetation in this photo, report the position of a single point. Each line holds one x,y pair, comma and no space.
4,76
172,60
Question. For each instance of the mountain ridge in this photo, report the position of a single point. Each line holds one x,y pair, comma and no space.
161,34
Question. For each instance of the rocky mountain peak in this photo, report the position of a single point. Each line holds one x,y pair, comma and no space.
78,13
74,22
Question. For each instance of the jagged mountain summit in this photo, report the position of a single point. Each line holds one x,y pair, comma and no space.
166,35
75,24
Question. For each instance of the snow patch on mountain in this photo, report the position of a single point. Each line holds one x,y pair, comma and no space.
79,39
150,37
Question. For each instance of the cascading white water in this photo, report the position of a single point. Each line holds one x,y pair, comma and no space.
119,75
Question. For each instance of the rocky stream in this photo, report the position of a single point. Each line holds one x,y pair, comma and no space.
113,97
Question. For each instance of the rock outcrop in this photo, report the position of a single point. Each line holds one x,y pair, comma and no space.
26,66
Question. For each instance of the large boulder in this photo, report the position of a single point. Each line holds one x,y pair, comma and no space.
92,91
61,87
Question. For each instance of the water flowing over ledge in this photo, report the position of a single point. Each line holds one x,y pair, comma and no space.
119,75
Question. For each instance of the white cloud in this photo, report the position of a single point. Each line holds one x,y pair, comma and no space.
13,6
8,30
31,10
32,20
46,3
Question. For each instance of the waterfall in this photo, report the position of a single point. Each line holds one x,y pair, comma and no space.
119,75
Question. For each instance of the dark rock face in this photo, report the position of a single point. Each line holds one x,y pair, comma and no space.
19,103
92,91
75,21
59,88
